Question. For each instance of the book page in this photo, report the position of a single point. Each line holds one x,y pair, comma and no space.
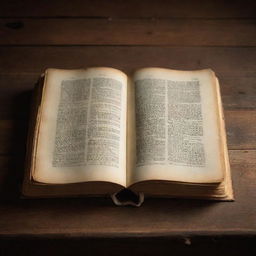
82,134
177,127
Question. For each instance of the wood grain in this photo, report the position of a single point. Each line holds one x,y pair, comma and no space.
131,8
241,130
172,32
225,61
156,245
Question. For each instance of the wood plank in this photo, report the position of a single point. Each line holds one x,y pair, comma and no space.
172,32
13,137
15,92
240,125
86,218
15,95
225,61
241,129
150,246
131,8
238,92
11,176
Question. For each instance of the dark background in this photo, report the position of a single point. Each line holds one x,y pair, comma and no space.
35,35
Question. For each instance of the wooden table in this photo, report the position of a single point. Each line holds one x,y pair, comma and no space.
35,35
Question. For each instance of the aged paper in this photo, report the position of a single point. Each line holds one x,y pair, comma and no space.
83,127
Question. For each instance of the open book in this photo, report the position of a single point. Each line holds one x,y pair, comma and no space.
97,131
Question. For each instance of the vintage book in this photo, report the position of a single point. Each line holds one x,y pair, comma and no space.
158,133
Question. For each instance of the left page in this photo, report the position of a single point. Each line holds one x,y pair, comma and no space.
82,129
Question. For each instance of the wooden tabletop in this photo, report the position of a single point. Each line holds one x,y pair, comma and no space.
127,35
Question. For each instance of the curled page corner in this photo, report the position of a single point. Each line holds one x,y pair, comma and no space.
127,197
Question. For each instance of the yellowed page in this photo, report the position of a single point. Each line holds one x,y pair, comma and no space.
82,134
177,126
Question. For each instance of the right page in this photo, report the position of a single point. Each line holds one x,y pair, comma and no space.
177,124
